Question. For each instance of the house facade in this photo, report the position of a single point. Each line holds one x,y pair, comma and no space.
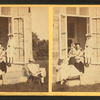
16,21
70,25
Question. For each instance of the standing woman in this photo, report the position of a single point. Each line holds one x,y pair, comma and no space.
3,68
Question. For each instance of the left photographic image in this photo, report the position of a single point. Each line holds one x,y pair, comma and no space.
24,49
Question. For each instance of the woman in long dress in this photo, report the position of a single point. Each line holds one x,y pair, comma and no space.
62,72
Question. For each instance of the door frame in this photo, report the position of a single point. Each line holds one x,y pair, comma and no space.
66,16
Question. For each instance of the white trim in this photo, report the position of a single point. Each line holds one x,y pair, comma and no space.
70,15
66,39
60,36
5,16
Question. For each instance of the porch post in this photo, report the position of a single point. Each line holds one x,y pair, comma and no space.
60,36
66,39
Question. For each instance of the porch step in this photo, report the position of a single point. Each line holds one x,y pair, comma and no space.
73,83
15,74
91,75
0,82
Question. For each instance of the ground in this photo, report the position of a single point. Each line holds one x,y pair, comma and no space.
24,87
81,88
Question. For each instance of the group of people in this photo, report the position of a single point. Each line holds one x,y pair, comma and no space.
6,55
32,68
76,57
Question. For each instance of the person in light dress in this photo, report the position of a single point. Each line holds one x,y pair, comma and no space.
10,49
88,49
62,71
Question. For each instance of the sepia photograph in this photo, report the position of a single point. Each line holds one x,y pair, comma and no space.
76,49
24,49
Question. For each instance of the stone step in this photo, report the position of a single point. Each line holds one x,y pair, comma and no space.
14,75
0,82
16,80
73,83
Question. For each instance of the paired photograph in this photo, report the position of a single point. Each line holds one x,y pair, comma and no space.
76,49
24,49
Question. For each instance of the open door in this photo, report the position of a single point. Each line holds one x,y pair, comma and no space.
63,37
95,31
18,32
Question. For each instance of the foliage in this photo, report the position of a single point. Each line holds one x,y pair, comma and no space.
40,47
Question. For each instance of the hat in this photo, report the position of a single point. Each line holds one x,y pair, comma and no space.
88,35
77,43
10,34
60,60
31,60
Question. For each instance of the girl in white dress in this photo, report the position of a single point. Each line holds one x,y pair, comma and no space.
88,49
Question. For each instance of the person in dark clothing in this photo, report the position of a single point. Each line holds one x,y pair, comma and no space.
3,68
79,58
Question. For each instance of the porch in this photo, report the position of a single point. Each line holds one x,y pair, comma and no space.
89,77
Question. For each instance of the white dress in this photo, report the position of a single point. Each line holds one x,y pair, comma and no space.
63,72
34,69
10,50
88,50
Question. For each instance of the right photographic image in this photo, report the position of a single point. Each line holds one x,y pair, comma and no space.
76,49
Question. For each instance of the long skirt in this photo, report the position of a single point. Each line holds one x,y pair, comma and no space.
80,66
3,67
72,61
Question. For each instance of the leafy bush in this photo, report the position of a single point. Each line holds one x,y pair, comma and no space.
40,48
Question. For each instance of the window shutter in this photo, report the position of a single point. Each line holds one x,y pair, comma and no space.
18,30
95,30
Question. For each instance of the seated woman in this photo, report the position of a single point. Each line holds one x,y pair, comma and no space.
3,68
71,55
34,70
62,72
79,58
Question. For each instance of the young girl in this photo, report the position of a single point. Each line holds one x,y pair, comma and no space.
88,49
10,49
72,54
62,71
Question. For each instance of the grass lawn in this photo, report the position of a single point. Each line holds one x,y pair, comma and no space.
24,87
81,88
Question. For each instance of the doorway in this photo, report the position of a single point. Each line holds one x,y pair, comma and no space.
76,31
4,31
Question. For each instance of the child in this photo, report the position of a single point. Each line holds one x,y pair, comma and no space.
10,49
72,54
88,49
62,72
